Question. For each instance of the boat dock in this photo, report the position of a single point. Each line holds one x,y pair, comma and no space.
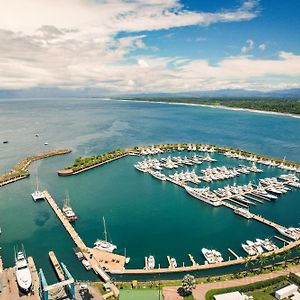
233,253
191,257
59,271
1,265
34,274
10,290
98,259
281,239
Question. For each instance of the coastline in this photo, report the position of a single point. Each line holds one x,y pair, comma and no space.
211,106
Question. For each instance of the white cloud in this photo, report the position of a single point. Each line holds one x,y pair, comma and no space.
248,47
262,47
75,43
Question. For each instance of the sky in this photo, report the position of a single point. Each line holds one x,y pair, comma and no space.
145,46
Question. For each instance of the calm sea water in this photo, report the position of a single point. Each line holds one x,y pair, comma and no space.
143,215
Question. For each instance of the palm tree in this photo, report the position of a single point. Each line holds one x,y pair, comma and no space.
247,261
261,259
274,257
188,284
285,256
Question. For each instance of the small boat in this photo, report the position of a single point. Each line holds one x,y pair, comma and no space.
46,143
86,264
104,245
151,262
127,259
68,211
23,274
250,251
173,263
5,142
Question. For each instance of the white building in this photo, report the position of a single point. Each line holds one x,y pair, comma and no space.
286,292
232,296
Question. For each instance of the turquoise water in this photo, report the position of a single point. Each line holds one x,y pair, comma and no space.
143,214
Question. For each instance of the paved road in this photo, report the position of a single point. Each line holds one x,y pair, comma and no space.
170,293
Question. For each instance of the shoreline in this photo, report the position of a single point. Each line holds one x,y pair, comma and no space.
212,106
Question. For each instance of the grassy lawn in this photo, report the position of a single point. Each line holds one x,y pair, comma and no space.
139,294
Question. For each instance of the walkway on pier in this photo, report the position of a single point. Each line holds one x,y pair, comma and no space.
97,258
255,217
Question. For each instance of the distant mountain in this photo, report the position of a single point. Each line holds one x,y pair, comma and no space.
95,92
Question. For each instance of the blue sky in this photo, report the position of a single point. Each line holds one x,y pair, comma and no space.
150,46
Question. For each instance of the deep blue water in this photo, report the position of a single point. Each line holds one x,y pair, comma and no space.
143,214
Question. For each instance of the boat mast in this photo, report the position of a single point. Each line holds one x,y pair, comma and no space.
105,232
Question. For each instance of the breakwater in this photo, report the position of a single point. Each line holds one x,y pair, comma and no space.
20,171
82,164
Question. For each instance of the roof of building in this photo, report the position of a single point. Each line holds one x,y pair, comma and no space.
230,296
288,289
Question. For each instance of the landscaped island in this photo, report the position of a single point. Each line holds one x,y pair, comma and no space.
285,106
82,164
20,171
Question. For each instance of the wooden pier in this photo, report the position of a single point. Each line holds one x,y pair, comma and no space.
192,260
281,239
233,253
98,259
34,274
59,271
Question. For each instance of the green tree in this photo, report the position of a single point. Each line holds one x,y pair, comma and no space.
285,256
188,284
273,259
261,259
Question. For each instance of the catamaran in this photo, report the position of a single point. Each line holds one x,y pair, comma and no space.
104,245
37,195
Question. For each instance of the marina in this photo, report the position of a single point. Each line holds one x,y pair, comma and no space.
147,193
213,257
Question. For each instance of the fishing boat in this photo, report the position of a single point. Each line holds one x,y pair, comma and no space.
23,274
104,245
68,211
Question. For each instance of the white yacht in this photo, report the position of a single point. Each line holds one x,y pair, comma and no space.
37,195
208,256
151,262
104,245
158,175
244,213
267,244
204,195
291,232
250,251
173,263
23,275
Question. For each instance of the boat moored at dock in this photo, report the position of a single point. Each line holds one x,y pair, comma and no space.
104,245
23,274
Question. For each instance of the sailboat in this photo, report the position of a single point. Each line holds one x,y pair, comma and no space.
68,211
104,245
37,195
